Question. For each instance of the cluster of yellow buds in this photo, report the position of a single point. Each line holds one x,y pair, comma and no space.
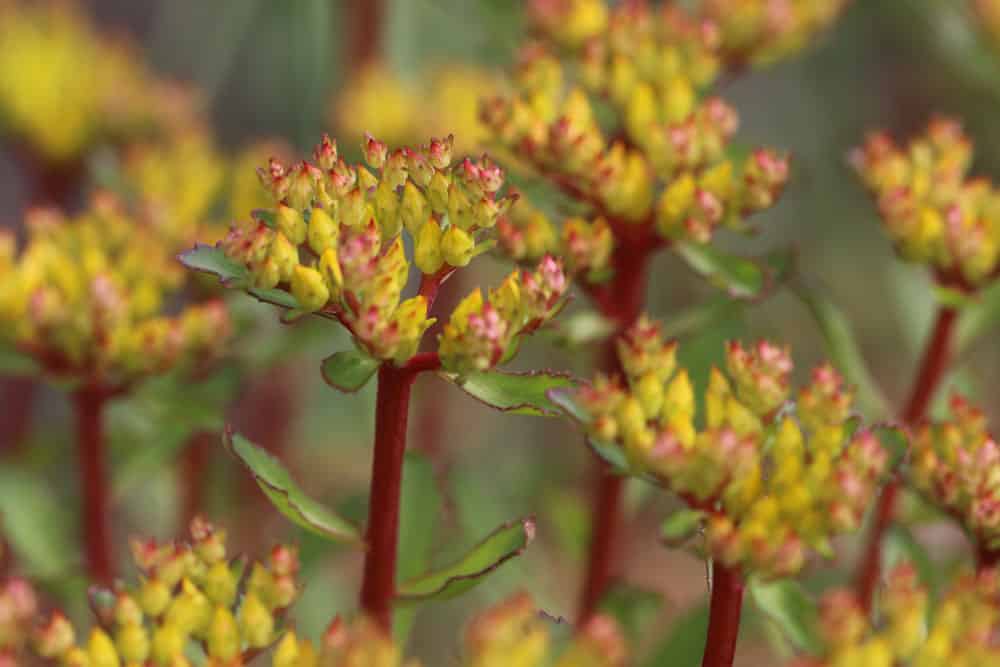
667,167
358,643
189,595
18,606
63,85
514,634
401,112
821,475
931,210
760,32
954,464
960,632
333,239
86,299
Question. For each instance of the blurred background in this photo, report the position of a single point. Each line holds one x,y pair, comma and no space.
408,69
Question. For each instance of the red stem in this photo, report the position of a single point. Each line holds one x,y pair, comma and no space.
627,290
937,355
192,471
365,32
90,403
724,616
378,587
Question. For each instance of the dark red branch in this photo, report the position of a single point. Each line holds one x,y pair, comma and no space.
365,32
724,616
90,403
423,362
378,587
622,302
937,355
431,284
192,472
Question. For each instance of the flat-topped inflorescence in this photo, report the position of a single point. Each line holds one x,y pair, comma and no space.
511,634
334,241
189,596
960,631
87,299
760,32
934,213
955,464
774,476
64,86
662,170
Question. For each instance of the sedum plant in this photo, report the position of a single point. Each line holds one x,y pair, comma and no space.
332,244
86,302
772,476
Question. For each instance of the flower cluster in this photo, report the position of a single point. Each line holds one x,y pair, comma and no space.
932,211
665,169
955,464
512,634
18,606
988,12
759,32
334,240
774,477
87,299
961,631
400,112
63,85
189,595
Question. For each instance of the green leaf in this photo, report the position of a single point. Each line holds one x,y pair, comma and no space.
681,526
420,508
349,370
951,297
740,277
286,495
895,442
685,641
267,217
34,523
212,259
275,297
567,404
979,318
845,352
612,454
505,543
518,393
582,328
15,363
635,610
788,605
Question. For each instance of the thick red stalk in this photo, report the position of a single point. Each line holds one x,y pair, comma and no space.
192,473
90,403
378,587
937,355
621,302
724,616
365,32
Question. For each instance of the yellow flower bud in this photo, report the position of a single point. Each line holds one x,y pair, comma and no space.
154,596
287,652
190,611
457,246
101,650
649,391
329,267
438,193
323,231
284,255
414,208
460,208
387,210
641,113
678,99
223,635
309,289
220,584
291,224
256,622
427,247
674,205
76,657
679,398
168,644
132,642
267,274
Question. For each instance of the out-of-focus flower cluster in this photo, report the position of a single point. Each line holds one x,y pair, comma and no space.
960,632
188,595
333,239
512,634
760,32
400,112
18,607
933,212
956,465
63,85
774,477
187,189
87,298
664,160
988,12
